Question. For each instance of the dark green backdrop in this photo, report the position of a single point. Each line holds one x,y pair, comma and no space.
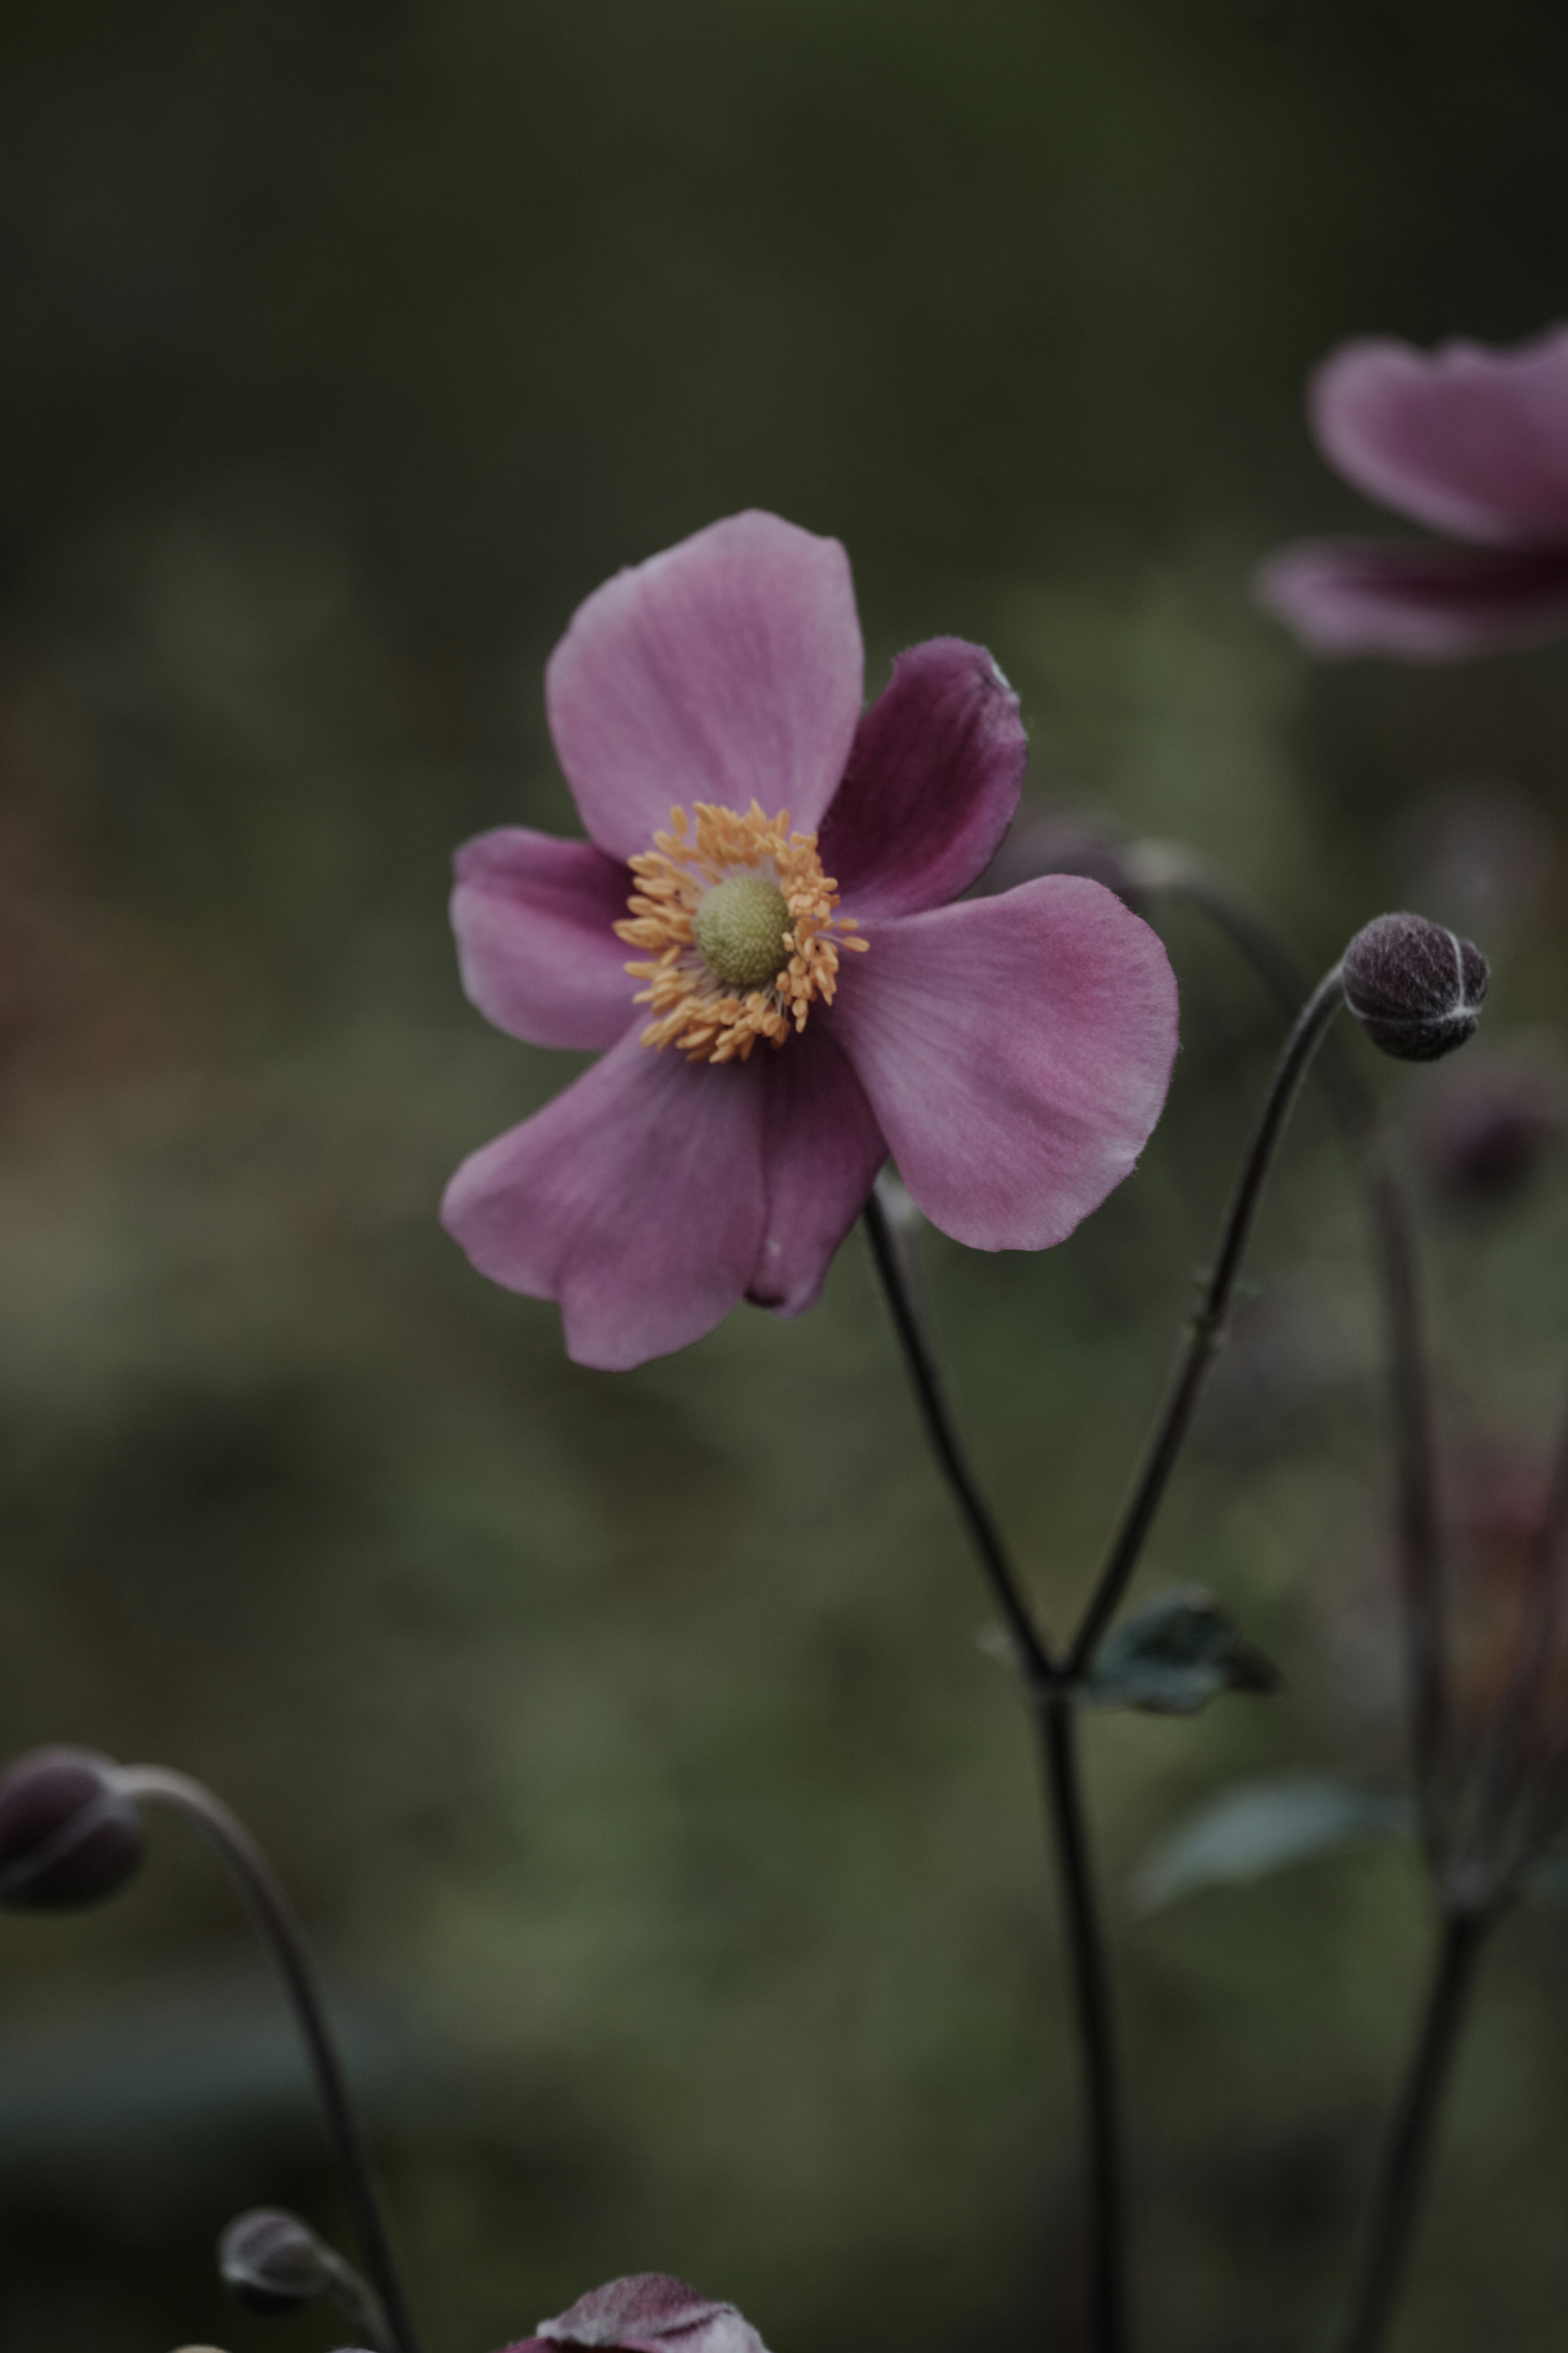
668,1835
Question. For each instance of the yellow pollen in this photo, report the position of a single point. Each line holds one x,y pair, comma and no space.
735,920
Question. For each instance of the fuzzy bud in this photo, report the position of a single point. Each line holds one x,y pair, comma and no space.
271,2262
69,1835
1416,988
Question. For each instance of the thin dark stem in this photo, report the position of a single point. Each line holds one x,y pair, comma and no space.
1407,2162
1052,1707
275,1918
941,1428
1057,1721
1192,1371
1171,868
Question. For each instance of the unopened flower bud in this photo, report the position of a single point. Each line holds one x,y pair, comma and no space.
69,1835
272,2262
1416,988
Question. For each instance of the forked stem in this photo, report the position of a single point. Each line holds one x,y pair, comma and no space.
1052,1707
279,1927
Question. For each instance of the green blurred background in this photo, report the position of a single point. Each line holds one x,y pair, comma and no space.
669,1836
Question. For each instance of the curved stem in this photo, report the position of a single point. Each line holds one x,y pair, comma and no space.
941,1428
1181,1401
1170,867
1407,2162
275,1918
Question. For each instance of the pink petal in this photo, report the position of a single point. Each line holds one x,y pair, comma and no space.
932,786
1424,604
535,946
726,669
822,1149
635,1200
651,2313
1015,1052
1463,439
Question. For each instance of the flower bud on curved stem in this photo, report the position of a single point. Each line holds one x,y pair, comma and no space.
273,2262
71,1832
69,1835
1416,987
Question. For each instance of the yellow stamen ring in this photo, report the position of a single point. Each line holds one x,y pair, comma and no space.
736,919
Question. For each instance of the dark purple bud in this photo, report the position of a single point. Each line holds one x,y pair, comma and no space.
272,2262
1416,988
69,1835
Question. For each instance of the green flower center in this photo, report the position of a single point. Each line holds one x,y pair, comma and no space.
740,927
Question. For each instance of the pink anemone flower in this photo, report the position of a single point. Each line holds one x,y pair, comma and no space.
780,1001
647,2313
1468,441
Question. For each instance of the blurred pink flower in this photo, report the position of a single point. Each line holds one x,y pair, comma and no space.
647,2313
1013,1053
1468,441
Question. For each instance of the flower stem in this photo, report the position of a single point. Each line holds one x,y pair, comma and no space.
1171,868
1406,2164
1052,1707
1057,1721
279,1927
941,1428
1208,1323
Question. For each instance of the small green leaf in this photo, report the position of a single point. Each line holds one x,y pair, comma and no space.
1260,1827
1174,1657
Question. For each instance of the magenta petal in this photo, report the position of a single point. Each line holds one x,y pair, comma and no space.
1015,1052
933,783
635,1200
649,2313
726,669
1463,439
1426,604
538,956
822,1149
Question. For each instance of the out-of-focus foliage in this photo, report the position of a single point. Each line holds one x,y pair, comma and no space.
628,1740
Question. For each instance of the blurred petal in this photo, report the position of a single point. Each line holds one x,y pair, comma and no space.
822,1149
1427,603
726,669
1463,439
651,2313
533,917
1015,1052
635,1200
933,783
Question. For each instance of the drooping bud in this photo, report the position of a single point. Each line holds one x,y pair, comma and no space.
1416,988
272,2262
68,1834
